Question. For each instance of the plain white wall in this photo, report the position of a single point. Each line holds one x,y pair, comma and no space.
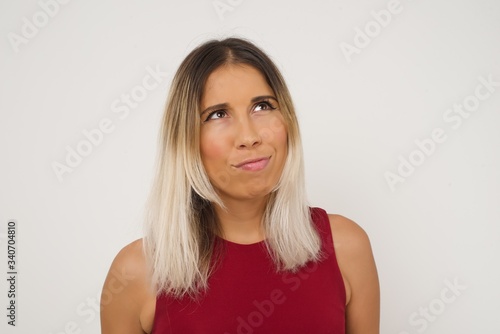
365,93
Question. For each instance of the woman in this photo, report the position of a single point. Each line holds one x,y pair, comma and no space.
231,245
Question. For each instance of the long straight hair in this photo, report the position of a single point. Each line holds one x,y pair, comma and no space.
180,221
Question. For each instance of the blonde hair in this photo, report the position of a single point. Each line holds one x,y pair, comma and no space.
180,223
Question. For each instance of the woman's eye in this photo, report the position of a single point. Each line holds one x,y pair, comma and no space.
264,106
216,114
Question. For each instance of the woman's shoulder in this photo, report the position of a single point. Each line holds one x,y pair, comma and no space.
357,265
352,245
131,258
127,298
347,233
130,264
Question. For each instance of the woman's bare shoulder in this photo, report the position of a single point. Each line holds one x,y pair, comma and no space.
131,258
127,300
357,265
348,234
352,245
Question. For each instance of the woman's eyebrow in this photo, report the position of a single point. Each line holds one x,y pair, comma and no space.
263,97
225,105
215,107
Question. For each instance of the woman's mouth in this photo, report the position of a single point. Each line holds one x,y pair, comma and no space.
254,164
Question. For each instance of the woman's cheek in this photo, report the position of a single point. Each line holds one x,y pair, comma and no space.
214,152
275,131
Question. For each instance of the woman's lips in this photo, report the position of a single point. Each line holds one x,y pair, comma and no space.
254,164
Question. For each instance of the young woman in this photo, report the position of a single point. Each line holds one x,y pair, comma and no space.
231,245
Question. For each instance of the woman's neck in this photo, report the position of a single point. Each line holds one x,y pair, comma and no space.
242,222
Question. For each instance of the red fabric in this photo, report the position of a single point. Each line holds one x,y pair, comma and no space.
247,296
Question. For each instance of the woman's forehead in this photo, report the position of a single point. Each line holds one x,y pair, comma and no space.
233,81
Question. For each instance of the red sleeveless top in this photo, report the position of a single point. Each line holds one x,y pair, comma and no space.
247,296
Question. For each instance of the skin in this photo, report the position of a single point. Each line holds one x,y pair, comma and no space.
240,130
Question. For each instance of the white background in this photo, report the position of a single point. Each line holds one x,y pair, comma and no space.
357,118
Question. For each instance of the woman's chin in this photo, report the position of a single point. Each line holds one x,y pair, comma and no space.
247,194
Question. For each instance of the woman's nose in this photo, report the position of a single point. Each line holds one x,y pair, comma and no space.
247,135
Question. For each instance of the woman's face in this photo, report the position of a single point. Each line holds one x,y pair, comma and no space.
243,138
